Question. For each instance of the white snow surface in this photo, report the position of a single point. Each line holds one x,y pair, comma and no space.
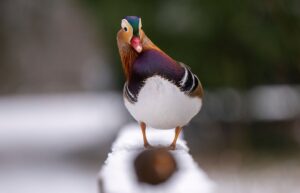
118,176
46,177
43,140
58,122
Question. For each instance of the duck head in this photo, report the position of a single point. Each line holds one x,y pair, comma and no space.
131,33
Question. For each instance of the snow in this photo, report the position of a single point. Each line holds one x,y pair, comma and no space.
60,122
117,175
47,178
44,140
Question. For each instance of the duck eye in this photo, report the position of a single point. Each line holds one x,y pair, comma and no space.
125,28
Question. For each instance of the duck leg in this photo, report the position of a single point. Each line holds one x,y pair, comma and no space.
177,132
143,128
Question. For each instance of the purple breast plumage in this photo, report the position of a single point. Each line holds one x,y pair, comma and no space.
152,62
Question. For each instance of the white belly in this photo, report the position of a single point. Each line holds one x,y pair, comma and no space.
162,105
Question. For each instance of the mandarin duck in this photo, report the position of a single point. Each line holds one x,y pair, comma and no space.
159,91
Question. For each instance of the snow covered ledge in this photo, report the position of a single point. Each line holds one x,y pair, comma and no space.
118,174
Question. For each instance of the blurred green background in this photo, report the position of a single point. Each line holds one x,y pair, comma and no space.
239,44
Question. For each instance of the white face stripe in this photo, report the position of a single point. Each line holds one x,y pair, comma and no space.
125,23
140,26
140,23
129,32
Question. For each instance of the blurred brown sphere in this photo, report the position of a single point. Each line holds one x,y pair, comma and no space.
154,166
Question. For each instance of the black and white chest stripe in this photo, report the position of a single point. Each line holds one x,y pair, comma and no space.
189,81
128,94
